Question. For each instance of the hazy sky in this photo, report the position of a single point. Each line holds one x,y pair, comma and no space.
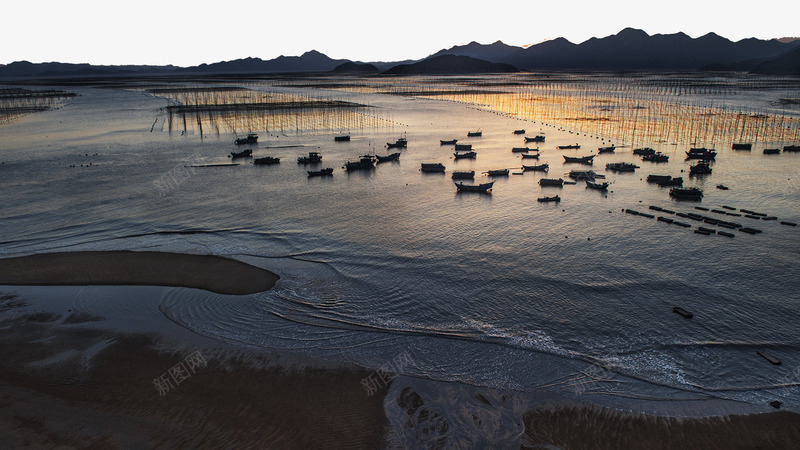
190,33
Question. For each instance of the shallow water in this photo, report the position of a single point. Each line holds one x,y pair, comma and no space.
572,299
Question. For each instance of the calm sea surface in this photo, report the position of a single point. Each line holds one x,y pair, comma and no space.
498,290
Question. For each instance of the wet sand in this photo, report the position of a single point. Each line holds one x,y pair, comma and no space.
591,427
212,273
53,395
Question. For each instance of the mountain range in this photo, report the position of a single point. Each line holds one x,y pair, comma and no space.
628,50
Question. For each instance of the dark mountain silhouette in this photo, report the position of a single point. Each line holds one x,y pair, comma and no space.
20,69
312,61
497,52
785,64
352,67
451,64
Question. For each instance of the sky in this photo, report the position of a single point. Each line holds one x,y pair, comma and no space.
190,33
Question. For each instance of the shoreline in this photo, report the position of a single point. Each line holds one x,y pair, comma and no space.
121,267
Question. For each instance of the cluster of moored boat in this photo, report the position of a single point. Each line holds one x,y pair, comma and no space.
767,151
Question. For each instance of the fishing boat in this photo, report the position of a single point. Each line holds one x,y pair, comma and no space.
599,186
519,131
251,138
497,173
686,193
400,143
320,173
723,188
432,167
551,182
267,160
677,181
537,168
485,187
644,151
701,153
658,178
450,142
474,133
387,158
520,150
537,138
682,312
554,198
463,147
463,175
365,162
463,155
791,148
701,168
606,149
656,157
242,154
530,156
342,138
582,175
742,146
313,157
772,151
568,147
579,159
621,167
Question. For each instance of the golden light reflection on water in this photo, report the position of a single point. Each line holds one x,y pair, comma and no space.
218,110
634,109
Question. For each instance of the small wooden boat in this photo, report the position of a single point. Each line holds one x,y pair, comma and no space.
537,168
320,173
569,147
677,181
530,156
606,149
267,160
251,138
497,173
621,167
701,168
450,142
686,193
242,154
791,148
474,133
572,183
464,175
701,153
742,146
432,167
722,186
657,157
551,182
686,314
658,178
537,138
387,158
580,175
463,155
342,138
365,162
772,151
400,143
519,131
485,187
644,151
599,186
463,146
579,159
520,150
554,198
769,357
313,157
